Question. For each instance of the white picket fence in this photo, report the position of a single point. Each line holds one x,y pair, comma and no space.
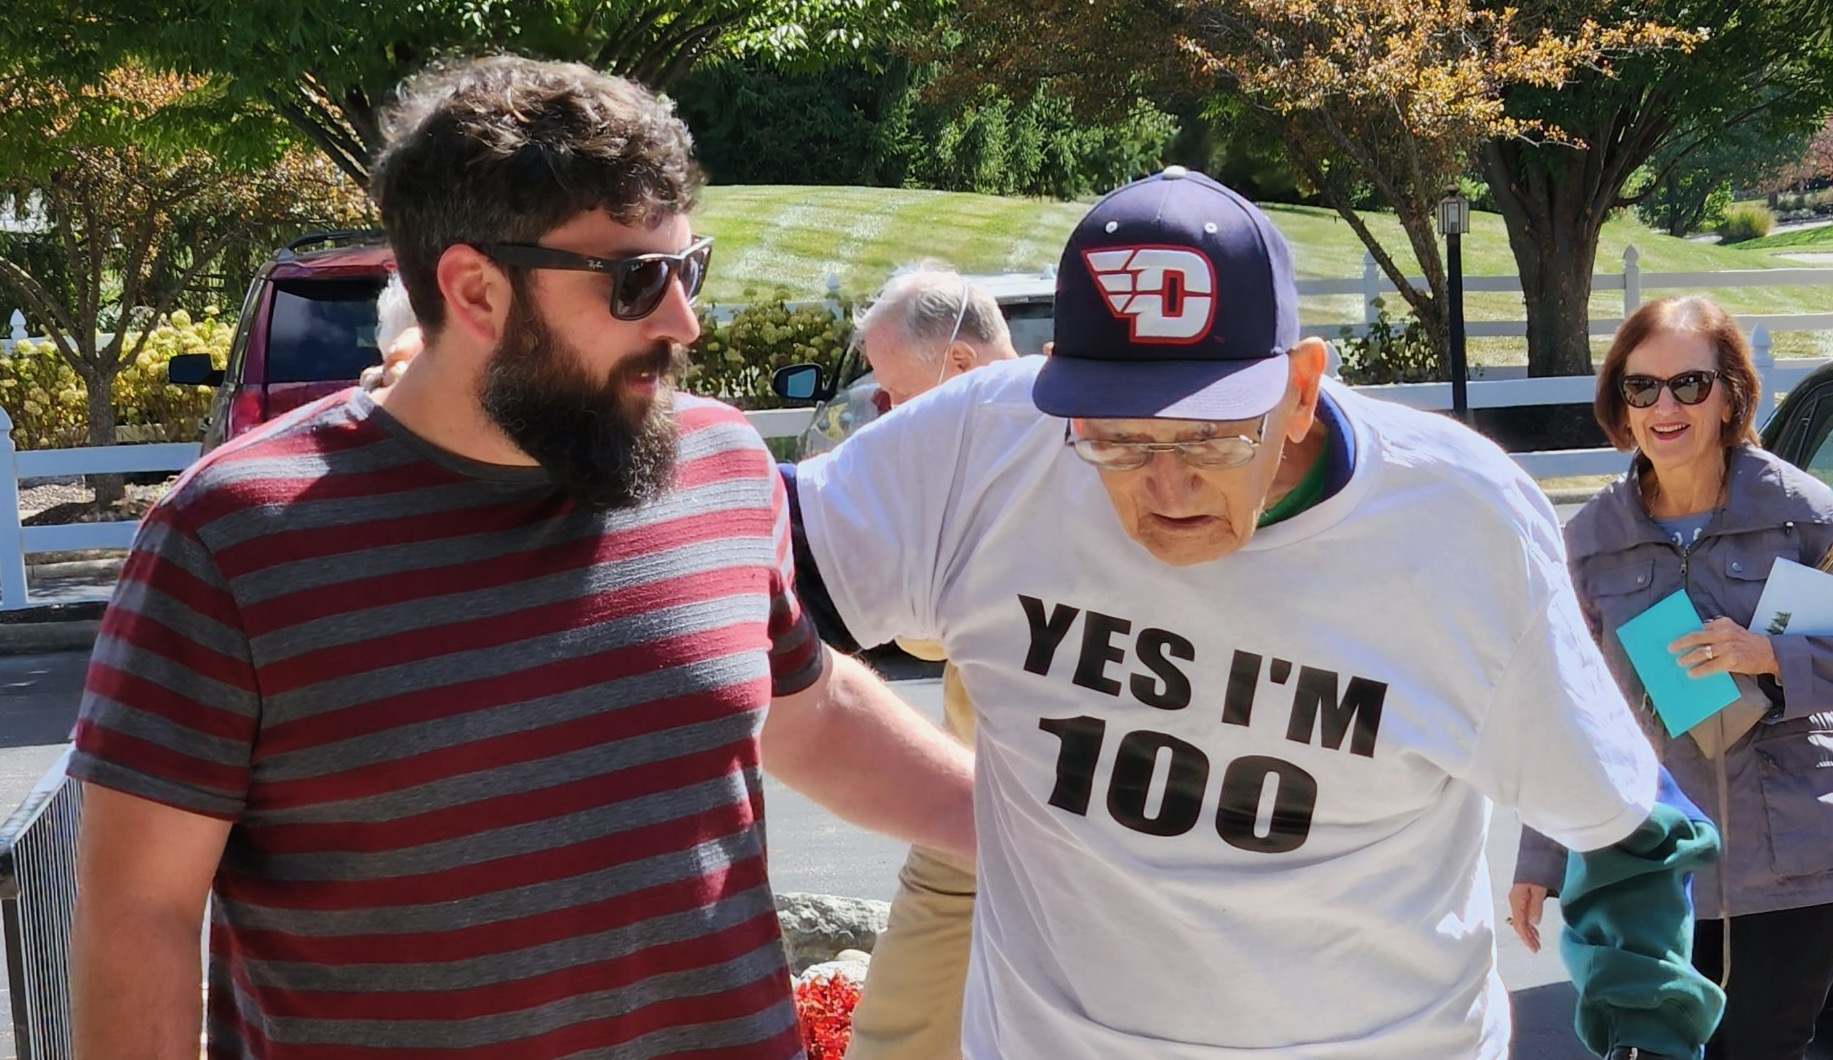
17,542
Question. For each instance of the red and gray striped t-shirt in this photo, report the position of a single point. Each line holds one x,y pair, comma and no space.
492,758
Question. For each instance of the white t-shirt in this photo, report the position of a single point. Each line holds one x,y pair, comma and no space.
1235,809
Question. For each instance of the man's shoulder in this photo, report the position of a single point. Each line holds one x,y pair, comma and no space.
694,411
1432,445
1463,487
981,416
718,442
294,448
709,422
988,401
1007,383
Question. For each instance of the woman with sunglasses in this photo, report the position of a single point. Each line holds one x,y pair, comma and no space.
1705,510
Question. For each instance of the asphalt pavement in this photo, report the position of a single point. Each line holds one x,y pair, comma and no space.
811,850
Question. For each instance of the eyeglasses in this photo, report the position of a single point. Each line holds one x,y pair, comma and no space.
1211,454
638,284
1690,388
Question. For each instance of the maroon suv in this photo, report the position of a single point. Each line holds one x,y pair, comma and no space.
308,328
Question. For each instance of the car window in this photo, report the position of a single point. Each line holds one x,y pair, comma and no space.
1818,443
322,330
1031,323
853,365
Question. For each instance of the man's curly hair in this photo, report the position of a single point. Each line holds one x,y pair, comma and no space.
506,149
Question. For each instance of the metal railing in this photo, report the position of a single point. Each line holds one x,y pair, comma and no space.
37,895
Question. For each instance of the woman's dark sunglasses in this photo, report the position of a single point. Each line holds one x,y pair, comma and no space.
638,284
1690,388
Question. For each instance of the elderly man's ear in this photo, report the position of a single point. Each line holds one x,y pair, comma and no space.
1309,360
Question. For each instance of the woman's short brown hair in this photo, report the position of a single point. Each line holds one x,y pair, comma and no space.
1686,316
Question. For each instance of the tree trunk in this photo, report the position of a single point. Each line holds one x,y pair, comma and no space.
1557,286
1553,225
1678,221
109,489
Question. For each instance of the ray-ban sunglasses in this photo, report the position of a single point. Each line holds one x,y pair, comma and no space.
638,284
1690,388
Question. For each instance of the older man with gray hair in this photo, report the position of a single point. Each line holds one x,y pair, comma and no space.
397,335
928,325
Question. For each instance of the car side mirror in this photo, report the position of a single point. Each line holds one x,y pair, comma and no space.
800,383
192,369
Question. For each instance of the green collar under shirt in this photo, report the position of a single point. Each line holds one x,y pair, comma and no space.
1304,496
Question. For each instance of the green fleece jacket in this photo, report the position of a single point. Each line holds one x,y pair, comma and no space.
1628,941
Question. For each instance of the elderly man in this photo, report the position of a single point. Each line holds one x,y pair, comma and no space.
1253,656
927,326
451,702
397,336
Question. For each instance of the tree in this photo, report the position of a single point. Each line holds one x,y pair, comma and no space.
1766,64
866,122
128,219
1381,95
331,67
1694,190
1813,169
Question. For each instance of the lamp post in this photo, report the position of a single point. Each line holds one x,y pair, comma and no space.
1453,222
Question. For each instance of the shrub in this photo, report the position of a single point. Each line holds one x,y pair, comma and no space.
44,398
48,401
1390,353
1748,221
733,361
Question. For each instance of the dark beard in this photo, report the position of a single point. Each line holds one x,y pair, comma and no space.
603,449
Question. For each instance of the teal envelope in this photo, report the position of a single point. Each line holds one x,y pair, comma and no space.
1681,700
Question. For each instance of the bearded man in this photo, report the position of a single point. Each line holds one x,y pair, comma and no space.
452,700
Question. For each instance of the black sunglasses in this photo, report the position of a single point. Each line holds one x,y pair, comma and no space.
1690,388
638,284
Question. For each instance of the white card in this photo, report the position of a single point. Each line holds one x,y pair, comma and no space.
1796,599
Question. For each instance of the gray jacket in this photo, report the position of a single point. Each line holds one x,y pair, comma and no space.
1779,777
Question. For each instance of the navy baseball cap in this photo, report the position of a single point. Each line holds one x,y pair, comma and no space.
1175,299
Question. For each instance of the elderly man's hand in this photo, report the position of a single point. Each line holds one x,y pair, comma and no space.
1525,901
394,362
377,376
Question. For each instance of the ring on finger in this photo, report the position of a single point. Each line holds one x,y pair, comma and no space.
1708,651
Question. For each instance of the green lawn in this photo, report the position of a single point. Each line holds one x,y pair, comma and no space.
1811,239
793,237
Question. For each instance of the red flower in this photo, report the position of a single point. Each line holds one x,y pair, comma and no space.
825,1007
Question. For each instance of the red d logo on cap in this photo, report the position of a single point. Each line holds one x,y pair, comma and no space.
1167,294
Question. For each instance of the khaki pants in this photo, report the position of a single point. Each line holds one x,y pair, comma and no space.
911,1006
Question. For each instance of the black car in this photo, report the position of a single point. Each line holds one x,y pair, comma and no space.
1801,431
